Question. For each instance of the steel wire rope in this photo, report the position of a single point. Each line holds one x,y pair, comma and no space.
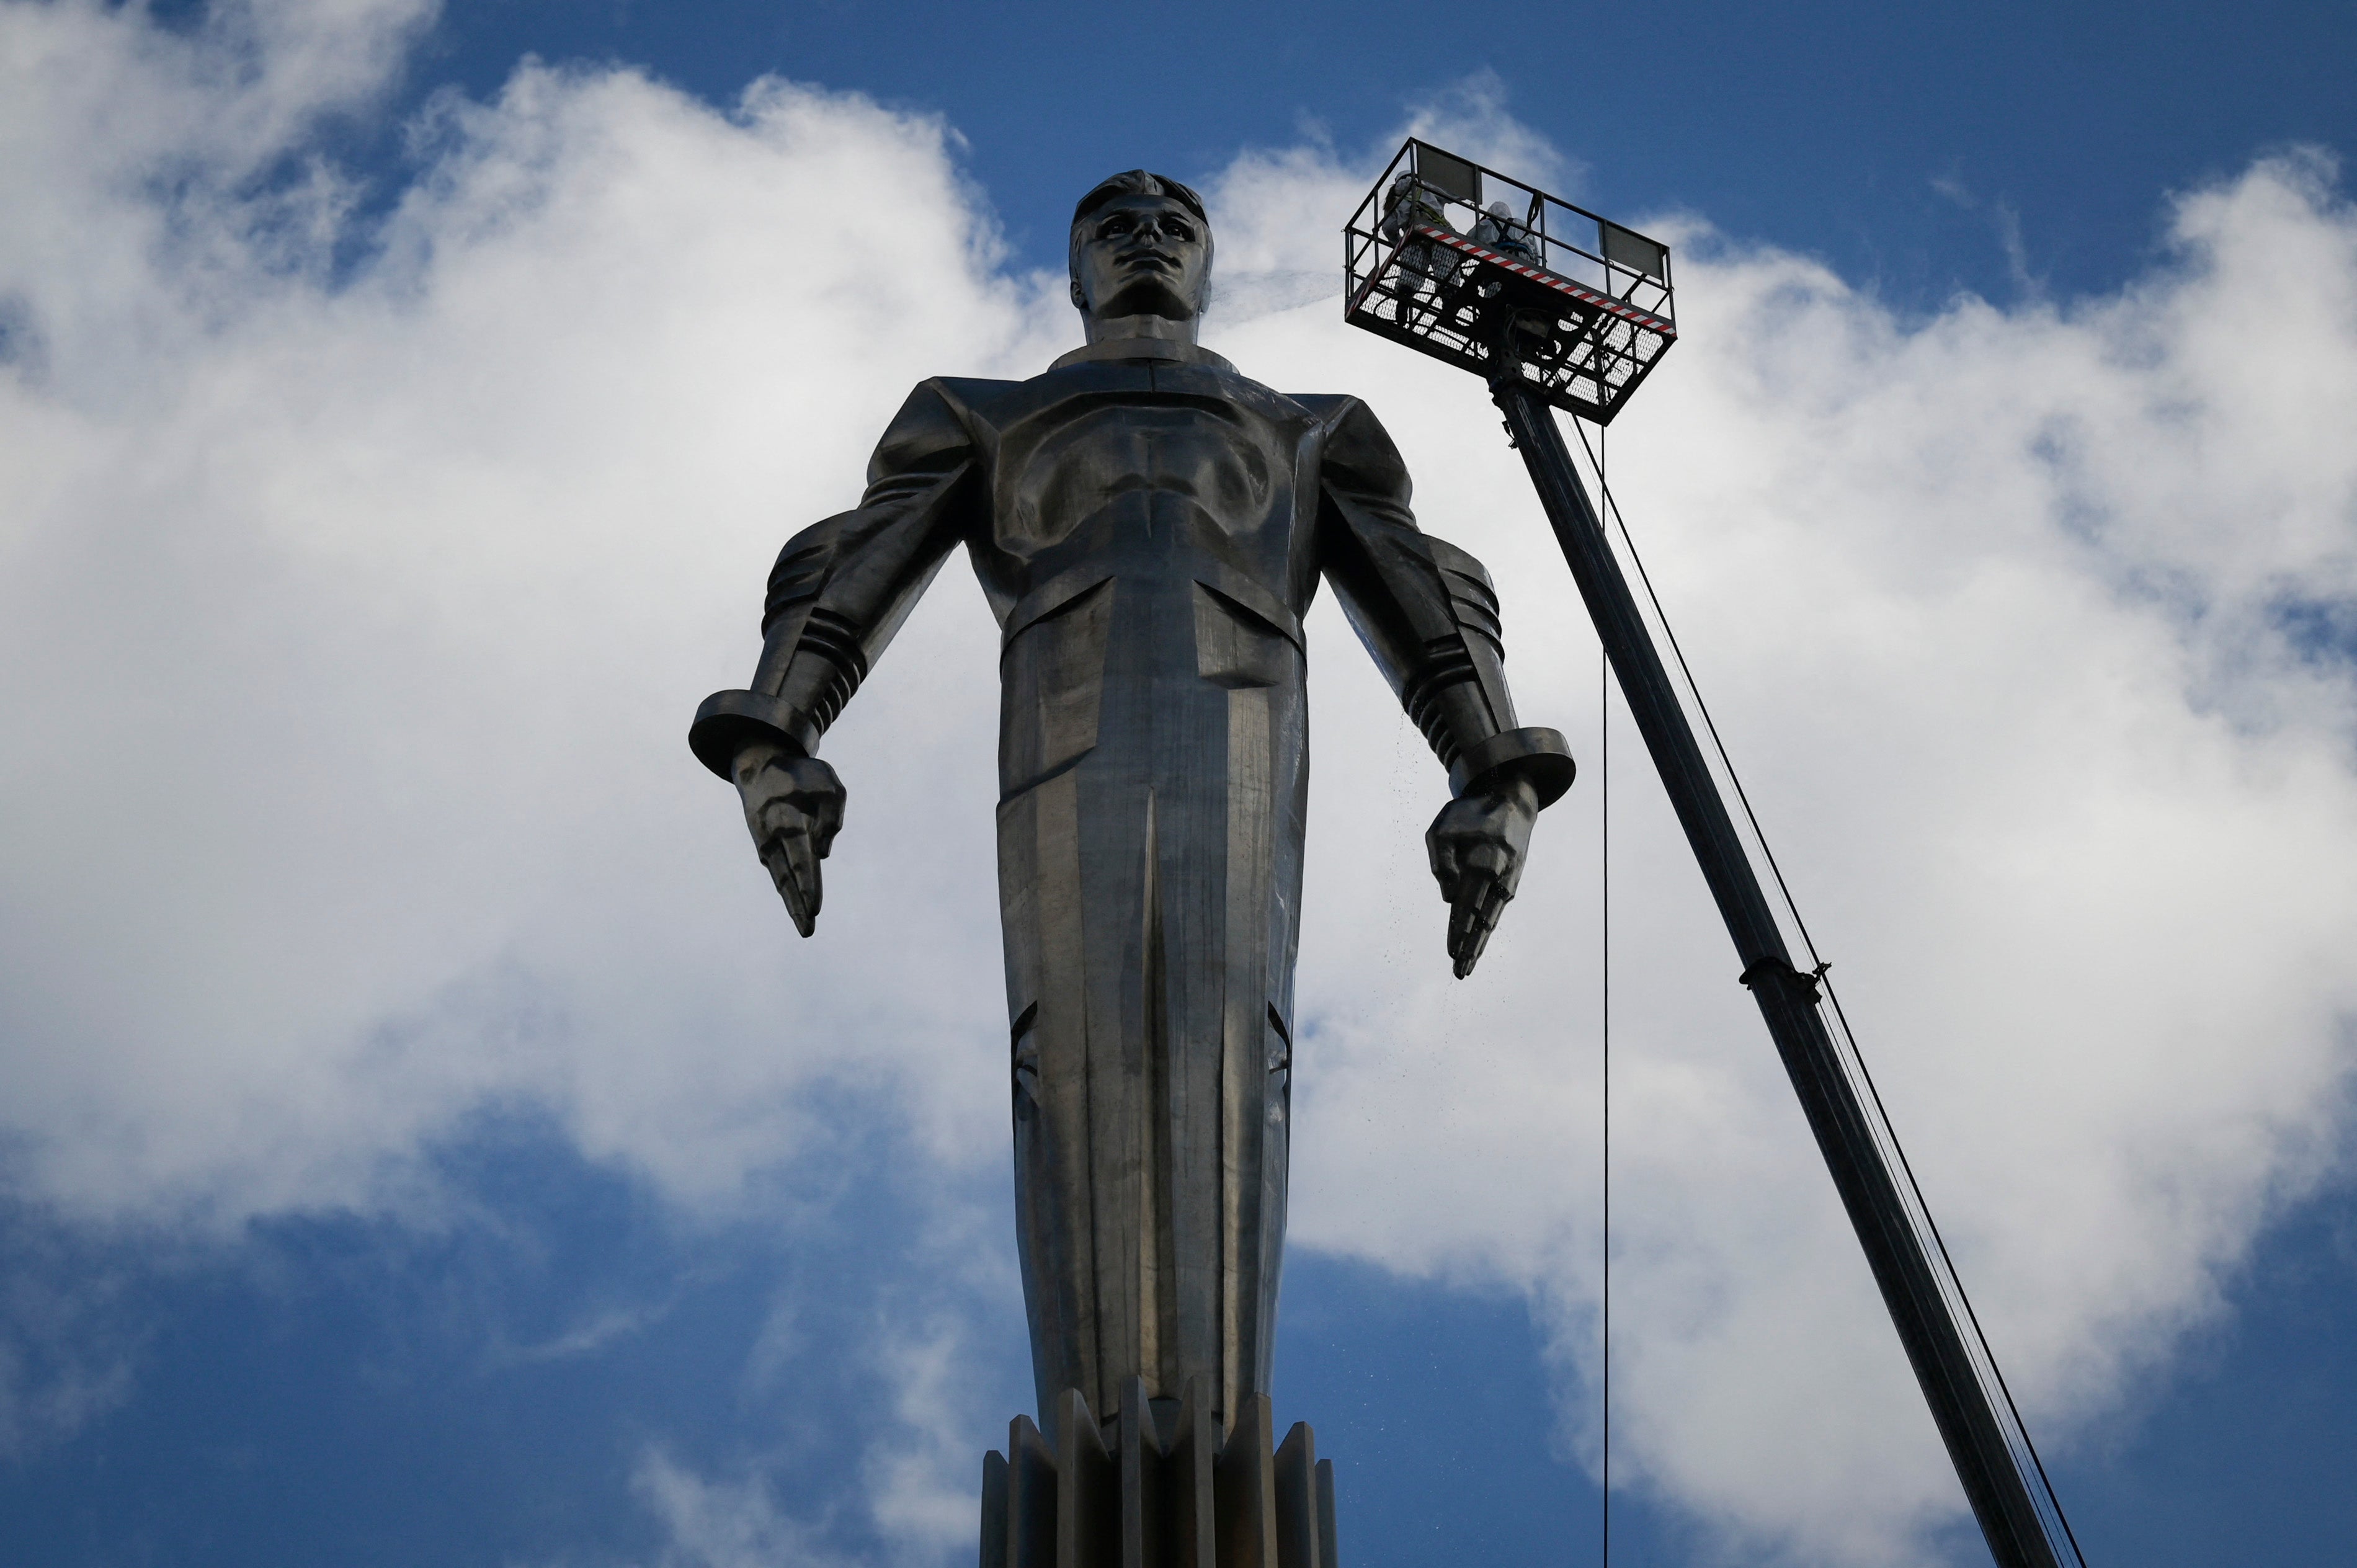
1886,1136
1604,857
1853,1060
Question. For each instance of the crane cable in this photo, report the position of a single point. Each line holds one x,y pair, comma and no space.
1852,1060
1604,857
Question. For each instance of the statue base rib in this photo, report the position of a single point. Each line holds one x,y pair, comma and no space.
1132,1494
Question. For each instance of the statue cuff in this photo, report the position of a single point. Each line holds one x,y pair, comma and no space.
731,721
1540,756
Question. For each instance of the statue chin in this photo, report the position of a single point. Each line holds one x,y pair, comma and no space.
1148,296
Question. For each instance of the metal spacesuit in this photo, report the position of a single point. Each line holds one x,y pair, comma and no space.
1149,527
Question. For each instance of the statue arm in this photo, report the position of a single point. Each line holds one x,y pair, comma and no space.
1428,614
839,592
841,588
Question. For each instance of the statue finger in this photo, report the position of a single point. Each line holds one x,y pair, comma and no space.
1474,918
1494,906
1464,926
1464,952
782,878
803,853
779,855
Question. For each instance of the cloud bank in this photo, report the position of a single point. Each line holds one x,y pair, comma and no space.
353,610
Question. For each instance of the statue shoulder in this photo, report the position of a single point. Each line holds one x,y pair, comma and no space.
1356,441
1340,411
935,427
968,392
1326,406
940,398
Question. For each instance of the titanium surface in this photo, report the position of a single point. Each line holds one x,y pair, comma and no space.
1148,526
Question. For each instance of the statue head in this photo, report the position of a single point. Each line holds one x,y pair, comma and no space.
1141,247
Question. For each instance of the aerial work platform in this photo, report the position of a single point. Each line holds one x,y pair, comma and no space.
1558,308
1442,248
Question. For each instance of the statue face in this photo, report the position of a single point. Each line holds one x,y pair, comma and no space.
1142,255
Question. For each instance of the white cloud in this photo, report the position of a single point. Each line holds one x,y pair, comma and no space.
69,1343
350,629
924,1478
913,1455
1991,612
726,1523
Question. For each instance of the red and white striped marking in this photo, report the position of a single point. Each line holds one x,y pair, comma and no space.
1561,285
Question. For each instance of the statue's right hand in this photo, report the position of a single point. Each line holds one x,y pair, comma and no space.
794,807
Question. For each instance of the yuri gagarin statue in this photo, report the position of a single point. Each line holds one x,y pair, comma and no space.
1149,526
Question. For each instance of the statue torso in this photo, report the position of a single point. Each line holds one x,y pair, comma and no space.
1156,472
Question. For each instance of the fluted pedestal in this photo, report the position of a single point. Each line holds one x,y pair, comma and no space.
1136,1492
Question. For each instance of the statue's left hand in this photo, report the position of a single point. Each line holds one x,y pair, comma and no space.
1478,845
794,807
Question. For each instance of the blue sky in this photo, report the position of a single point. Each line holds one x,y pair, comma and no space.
419,1148
1905,144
